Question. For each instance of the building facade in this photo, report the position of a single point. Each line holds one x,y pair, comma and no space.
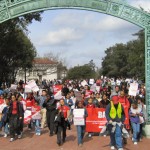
43,69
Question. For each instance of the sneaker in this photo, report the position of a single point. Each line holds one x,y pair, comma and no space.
135,143
5,135
112,147
90,135
19,136
80,145
11,139
120,149
39,134
36,133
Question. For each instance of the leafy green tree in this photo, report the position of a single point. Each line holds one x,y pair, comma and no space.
126,60
16,49
81,72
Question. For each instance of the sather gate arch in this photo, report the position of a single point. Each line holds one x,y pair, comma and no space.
13,8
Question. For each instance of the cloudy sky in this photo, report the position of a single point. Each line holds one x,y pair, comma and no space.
79,36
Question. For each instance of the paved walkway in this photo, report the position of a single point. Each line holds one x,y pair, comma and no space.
32,142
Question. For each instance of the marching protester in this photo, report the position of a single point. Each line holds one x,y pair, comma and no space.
42,99
15,115
115,117
20,99
50,106
5,118
30,101
104,102
81,128
68,102
63,111
90,105
36,117
135,117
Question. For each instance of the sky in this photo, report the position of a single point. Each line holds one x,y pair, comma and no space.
79,36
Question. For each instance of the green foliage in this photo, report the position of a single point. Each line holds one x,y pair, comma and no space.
126,60
82,72
16,49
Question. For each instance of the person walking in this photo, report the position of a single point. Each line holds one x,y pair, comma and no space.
63,111
115,117
50,106
15,115
135,114
81,128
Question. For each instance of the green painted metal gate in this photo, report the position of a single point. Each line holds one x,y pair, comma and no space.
13,8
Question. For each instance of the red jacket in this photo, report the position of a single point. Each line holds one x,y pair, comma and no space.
124,101
90,106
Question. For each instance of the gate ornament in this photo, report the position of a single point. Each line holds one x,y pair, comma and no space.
119,8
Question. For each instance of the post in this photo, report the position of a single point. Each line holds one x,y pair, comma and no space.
147,81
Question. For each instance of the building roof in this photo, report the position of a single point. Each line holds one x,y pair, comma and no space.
43,61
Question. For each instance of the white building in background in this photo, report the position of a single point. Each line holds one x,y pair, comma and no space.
43,68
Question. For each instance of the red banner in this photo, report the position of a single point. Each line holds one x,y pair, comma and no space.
96,119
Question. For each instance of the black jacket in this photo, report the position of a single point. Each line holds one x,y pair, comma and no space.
19,109
50,105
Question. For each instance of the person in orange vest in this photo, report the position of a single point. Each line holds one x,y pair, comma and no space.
115,117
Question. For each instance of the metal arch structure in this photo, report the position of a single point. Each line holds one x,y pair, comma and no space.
13,8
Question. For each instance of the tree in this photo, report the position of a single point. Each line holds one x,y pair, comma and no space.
81,72
126,60
16,49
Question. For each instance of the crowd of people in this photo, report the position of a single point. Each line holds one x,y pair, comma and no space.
57,114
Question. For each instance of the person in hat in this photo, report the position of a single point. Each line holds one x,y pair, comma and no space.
115,117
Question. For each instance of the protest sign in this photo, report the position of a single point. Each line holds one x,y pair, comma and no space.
133,89
93,88
57,88
83,83
97,89
58,95
28,89
88,93
91,81
13,86
27,116
96,119
79,116
78,95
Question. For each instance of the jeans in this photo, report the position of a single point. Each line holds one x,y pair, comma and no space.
136,131
6,129
116,136
36,123
80,134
